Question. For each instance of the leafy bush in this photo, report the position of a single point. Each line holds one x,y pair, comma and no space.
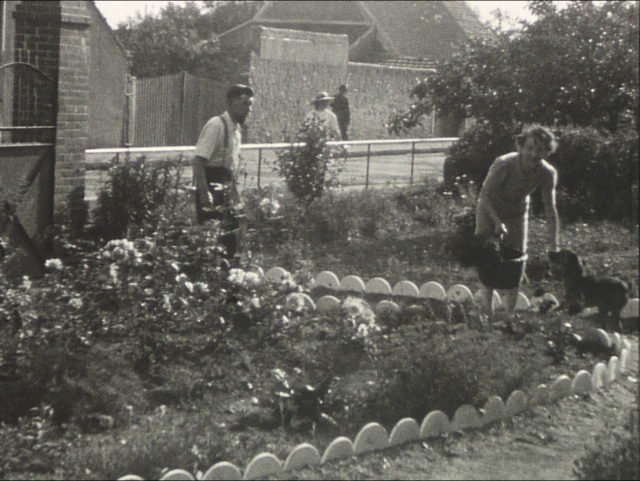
474,153
598,174
134,196
311,169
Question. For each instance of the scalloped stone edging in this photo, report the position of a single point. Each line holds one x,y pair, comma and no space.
373,437
457,293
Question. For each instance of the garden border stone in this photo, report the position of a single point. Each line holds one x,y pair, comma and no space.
222,470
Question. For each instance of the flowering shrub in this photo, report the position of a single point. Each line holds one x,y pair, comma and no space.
311,169
360,317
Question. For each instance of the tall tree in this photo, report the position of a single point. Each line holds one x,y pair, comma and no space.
572,66
184,38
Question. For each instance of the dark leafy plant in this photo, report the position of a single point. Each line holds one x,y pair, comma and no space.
179,39
511,79
300,401
134,197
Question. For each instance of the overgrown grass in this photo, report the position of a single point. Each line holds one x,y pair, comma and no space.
616,452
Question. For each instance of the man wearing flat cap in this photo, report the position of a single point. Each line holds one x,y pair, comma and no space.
322,113
216,161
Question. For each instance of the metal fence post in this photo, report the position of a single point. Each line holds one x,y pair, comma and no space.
366,182
259,165
413,155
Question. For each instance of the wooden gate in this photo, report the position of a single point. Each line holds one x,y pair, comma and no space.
27,152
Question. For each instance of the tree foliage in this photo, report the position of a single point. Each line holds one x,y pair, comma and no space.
572,66
183,38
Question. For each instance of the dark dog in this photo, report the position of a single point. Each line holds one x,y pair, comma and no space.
608,294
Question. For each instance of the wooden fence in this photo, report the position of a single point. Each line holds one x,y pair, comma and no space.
172,109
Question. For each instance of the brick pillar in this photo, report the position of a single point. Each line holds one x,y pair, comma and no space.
73,101
53,37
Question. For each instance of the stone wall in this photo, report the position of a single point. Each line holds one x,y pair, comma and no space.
304,47
284,90
375,92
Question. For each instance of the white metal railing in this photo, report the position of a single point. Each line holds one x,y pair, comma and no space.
356,148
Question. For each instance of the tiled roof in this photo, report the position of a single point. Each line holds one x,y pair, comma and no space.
324,17
468,20
408,62
430,30
403,33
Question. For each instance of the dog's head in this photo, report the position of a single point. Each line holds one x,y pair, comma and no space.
568,259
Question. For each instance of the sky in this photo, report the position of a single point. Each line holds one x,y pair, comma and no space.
116,12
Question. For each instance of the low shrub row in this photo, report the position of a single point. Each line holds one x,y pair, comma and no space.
598,171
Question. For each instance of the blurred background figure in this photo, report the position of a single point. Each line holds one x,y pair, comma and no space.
323,114
340,107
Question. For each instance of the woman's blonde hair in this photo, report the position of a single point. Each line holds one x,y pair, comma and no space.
538,132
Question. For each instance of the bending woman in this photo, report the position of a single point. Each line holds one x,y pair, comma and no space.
503,203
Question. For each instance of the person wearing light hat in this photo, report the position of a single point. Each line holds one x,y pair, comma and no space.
322,113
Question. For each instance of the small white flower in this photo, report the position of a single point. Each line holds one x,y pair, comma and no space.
113,273
76,302
166,303
252,279
118,253
255,303
237,276
54,264
189,286
181,278
363,330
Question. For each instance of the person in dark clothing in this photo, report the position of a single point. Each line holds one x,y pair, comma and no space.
340,107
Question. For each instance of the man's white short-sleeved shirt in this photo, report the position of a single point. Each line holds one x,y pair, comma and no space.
211,146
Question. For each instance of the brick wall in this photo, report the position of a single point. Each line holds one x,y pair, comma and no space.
37,35
73,99
53,37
